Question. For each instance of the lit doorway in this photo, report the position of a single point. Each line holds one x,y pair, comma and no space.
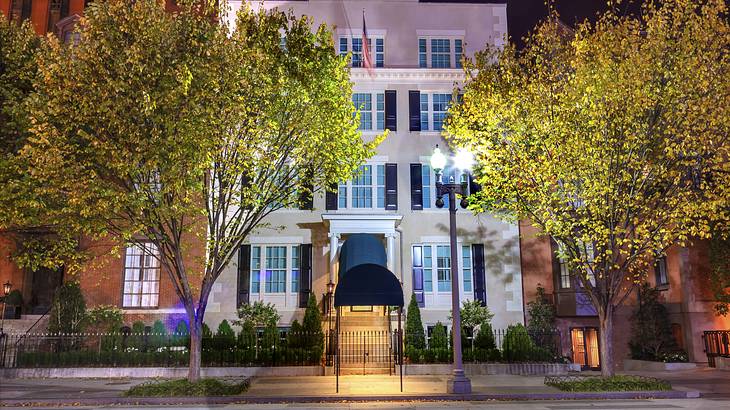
585,347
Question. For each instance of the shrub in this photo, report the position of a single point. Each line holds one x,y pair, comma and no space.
68,310
225,338
517,345
413,354
203,388
439,339
295,338
259,313
484,338
14,298
613,383
104,318
414,326
206,342
158,338
247,337
651,331
182,334
312,327
473,314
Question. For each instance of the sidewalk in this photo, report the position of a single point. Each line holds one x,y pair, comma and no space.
306,389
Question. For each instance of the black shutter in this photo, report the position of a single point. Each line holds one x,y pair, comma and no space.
391,117
418,275
305,273
414,110
416,187
244,275
391,186
331,198
480,279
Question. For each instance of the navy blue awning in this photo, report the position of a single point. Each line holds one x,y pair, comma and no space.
369,285
359,249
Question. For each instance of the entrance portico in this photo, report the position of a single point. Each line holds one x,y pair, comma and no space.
344,224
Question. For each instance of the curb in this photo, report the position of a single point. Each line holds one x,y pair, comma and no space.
672,394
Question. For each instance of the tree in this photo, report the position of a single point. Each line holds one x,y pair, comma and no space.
414,326
258,314
611,139
26,213
473,314
540,313
651,330
68,310
312,328
174,129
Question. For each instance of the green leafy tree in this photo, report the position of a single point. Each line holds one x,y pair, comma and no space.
540,313
105,318
651,330
415,336
258,314
611,139
28,215
473,314
174,129
68,310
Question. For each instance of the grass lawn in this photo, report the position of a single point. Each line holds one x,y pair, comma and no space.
606,384
182,387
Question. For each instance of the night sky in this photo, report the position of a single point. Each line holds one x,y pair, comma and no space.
522,15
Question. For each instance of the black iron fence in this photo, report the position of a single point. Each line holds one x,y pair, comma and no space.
717,344
266,348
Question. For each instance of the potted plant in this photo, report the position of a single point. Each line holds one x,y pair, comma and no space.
13,304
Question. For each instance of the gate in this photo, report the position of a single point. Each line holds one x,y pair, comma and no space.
717,343
365,352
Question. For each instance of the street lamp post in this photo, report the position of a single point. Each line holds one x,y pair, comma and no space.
458,382
6,291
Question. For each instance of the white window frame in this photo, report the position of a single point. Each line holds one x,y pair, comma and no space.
454,56
433,267
136,280
373,44
377,110
428,125
258,250
377,188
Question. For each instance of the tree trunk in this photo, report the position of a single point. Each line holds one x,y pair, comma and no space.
605,340
196,336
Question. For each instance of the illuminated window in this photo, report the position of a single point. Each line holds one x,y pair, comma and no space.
141,276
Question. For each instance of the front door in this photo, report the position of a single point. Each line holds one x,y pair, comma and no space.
585,347
45,282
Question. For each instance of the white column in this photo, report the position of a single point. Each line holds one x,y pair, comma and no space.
334,243
390,240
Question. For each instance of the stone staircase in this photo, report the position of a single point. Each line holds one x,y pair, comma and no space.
364,343
22,325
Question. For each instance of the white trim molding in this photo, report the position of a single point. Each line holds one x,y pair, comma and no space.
408,74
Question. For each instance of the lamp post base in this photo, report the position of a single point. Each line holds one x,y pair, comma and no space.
458,384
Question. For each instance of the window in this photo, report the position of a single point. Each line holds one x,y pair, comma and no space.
279,263
660,270
141,276
565,275
364,103
295,269
423,258
275,269
354,45
366,189
466,267
440,52
443,264
440,106
433,110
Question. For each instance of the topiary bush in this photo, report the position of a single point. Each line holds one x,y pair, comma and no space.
517,345
68,310
484,338
415,337
439,338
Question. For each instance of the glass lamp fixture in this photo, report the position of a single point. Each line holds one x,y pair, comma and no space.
6,288
438,160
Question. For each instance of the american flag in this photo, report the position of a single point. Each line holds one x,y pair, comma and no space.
367,61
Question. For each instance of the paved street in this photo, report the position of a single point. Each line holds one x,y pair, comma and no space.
689,404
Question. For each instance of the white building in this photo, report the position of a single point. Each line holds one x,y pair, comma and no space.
416,46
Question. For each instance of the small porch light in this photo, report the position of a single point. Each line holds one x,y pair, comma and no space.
6,288
330,287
